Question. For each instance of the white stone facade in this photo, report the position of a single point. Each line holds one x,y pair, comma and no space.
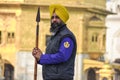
25,67
113,30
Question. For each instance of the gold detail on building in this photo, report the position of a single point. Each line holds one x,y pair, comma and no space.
106,72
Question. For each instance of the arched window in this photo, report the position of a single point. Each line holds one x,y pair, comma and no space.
10,37
9,72
95,37
91,75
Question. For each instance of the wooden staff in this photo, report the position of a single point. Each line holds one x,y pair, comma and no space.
37,38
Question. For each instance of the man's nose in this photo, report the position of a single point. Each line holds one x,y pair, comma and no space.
54,19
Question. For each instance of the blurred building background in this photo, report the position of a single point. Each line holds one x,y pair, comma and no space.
95,24
113,30
113,36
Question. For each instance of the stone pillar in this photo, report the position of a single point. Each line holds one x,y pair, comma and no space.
1,68
79,67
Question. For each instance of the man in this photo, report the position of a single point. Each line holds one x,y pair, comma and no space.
58,60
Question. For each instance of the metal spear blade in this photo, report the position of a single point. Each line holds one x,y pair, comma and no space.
38,15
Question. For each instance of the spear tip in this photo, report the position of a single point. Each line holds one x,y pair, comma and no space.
38,15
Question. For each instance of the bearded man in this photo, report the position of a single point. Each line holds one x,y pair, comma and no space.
59,58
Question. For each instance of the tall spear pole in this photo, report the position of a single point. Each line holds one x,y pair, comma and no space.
37,38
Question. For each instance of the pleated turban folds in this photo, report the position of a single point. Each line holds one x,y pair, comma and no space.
60,11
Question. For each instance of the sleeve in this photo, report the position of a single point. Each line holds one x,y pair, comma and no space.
64,53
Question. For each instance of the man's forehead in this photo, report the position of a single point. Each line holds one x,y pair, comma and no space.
54,13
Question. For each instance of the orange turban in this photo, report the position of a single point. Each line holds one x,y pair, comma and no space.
60,11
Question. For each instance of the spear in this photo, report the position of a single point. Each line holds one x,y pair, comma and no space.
37,38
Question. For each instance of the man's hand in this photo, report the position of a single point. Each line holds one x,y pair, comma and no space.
37,53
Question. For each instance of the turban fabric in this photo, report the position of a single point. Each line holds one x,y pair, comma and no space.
60,11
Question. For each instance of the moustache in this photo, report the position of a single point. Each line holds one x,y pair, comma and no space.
54,27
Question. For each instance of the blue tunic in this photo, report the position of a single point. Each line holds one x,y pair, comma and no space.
62,55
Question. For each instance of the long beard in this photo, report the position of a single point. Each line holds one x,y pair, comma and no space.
55,27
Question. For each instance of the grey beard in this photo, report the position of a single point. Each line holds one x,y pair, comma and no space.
55,27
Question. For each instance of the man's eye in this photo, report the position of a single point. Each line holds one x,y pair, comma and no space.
56,17
52,17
